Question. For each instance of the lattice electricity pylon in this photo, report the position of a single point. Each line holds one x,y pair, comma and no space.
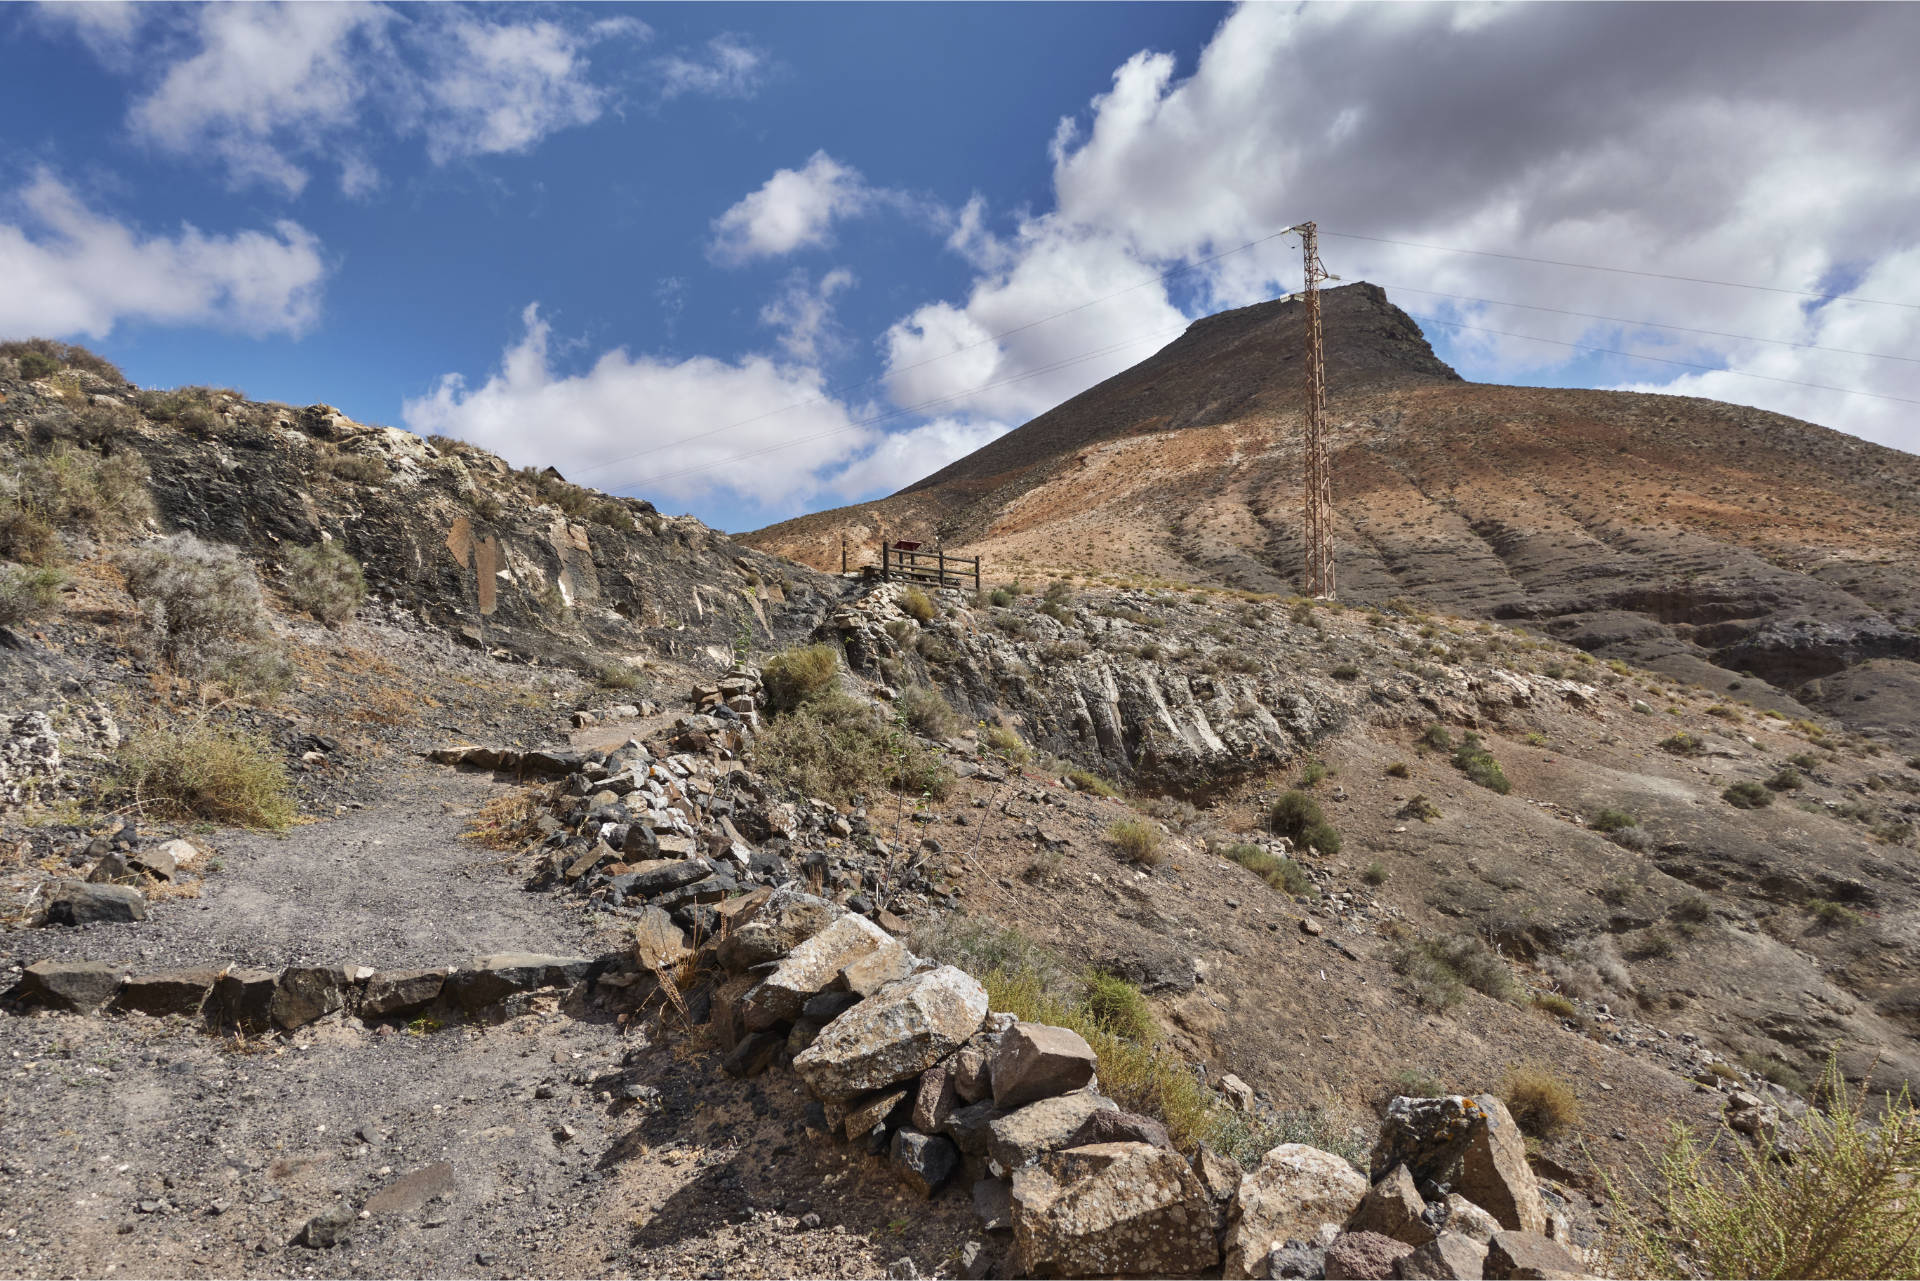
1319,485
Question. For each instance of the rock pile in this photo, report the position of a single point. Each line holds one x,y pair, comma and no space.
904,1058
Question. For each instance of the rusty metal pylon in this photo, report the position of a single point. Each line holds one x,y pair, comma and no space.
1319,485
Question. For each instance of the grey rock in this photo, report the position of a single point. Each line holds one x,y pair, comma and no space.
178,992
894,1034
494,978
391,992
244,999
306,993
971,1127
1126,1127
786,919
1112,1209
934,1100
923,1161
328,1228
807,970
973,1071
993,1204
1529,1256
77,986
79,903
1448,1257
1393,1208
1036,1061
1021,1137
1294,1191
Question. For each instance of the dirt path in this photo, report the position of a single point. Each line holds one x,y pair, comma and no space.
391,886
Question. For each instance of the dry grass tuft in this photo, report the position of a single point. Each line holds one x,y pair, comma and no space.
202,770
1541,1100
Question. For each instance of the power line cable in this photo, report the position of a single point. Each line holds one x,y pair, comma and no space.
1687,364
1650,324
834,393
1626,271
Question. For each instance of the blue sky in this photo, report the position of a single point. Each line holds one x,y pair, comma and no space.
752,260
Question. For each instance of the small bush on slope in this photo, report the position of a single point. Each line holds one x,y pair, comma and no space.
836,747
1845,1206
325,581
799,675
27,594
928,711
200,770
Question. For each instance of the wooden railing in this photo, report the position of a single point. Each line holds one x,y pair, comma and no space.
935,568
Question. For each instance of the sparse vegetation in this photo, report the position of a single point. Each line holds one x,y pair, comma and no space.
1345,672
1299,818
1398,770
1440,970
1541,1100
1608,819
836,747
615,674
1420,808
1281,873
797,676
1436,737
927,710
39,357
1005,743
1088,781
1833,915
1844,1206
325,581
360,469
917,605
1312,772
1558,1006
1137,839
205,615
1683,743
1375,873
1786,780
1473,759
68,488
28,593
1747,796
198,769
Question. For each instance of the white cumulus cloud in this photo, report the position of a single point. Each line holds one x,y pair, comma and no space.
802,313
70,270
728,67
794,209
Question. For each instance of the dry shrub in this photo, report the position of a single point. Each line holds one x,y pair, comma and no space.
1003,741
1541,1100
928,711
1845,1205
69,488
837,747
27,594
917,605
43,356
201,770
510,822
1282,874
359,469
325,581
1591,968
193,594
1441,969
799,675
1139,841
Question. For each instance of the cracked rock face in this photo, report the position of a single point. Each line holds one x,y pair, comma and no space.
1112,1209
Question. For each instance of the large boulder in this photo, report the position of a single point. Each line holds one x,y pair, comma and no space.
80,903
1036,1061
811,967
898,1032
1294,1191
78,986
1112,1209
1528,1256
1364,1256
1394,1208
1448,1257
1021,1137
1473,1146
788,918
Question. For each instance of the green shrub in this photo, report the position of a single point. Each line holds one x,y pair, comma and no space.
360,469
797,676
1419,807
1831,914
917,605
1138,840
836,747
614,673
928,711
1747,796
1312,772
1375,873
1282,874
253,671
199,770
1555,1004
1693,908
1843,1206
1785,780
50,357
1001,597
66,487
1059,593
1609,820
1684,744
1005,743
1436,737
1299,818
1416,1083
1473,759
1442,969
1345,672
27,594
1541,1100
325,581
1773,1068
1088,781
1808,762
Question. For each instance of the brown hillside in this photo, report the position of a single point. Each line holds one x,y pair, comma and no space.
1716,543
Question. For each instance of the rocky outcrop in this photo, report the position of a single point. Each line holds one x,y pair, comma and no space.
1296,1191
1112,1209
